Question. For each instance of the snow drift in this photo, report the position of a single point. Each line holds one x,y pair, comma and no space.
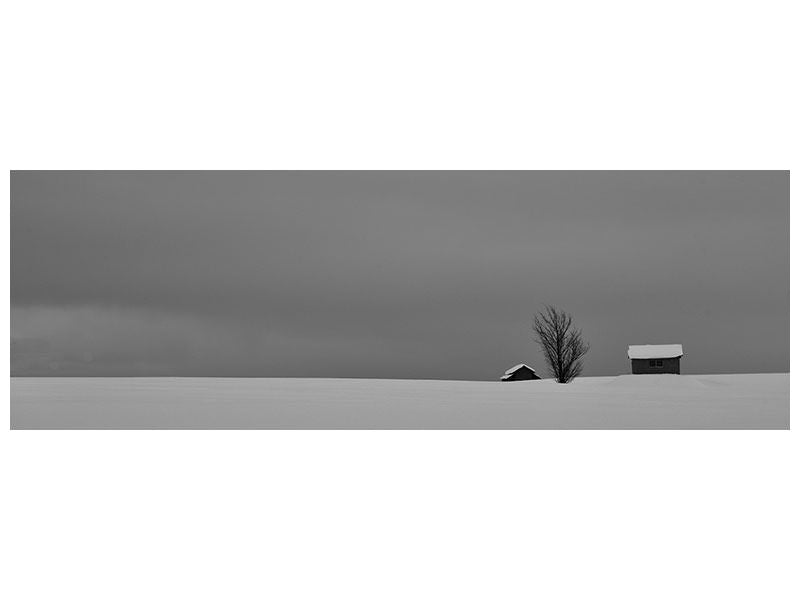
758,401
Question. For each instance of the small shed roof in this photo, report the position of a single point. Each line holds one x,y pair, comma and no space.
513,370
656,351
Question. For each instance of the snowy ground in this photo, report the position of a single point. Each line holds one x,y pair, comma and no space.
759,401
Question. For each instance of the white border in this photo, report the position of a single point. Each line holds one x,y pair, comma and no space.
621,85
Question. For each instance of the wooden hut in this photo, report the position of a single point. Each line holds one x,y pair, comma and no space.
655,359
521,372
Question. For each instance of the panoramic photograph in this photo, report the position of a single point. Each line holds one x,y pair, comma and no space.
399,300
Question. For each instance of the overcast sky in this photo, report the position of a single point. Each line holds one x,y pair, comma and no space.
392,274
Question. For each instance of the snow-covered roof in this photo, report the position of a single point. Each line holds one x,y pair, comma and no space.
655,351
512,370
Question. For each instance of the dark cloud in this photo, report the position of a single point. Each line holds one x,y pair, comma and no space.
392,274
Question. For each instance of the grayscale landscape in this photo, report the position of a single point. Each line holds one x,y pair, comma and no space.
400,299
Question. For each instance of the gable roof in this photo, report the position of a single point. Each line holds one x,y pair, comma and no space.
656,351
513,370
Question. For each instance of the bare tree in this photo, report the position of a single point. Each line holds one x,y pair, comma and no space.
562,345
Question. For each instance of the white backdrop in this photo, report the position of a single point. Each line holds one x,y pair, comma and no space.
365,85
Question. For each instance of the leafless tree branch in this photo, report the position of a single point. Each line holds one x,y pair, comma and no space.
562,345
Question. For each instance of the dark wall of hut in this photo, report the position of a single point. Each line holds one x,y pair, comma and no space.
649,366
523,375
